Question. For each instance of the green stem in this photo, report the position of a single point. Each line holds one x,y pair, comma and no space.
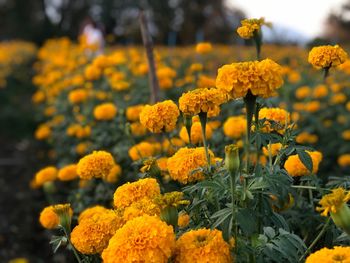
203,120
73,248
325,73
250,103
233,190
323,230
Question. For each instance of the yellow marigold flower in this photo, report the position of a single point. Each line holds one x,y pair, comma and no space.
170,147
171,199
338,98
201,100
38,97
113,175
160,117
68,172
203,48
105,112
272,148
91,211
46,174
137,129
97,164
235,127
344,160
262,78
92,72
346,135
202,245
196,133
143,239
183,220
332,202
184,161
320,91
327,56
249,27
77,96
327,255
120,85
303,92
280,117
312,106
82,148
295,167
196,67
306,137
142,150
142,207
129,193
133,112
162,163
43,132
48,218
91,235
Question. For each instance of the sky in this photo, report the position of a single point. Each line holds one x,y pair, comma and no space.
304,17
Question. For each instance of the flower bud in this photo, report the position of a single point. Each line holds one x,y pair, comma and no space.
232,161
342,218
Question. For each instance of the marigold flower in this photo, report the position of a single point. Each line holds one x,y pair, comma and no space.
332,202
142,150
68,172
183,220
203,48
77,96
295,167
48,218
262,78
46,174
143,239
129,193
113,175
280,118
235,127
137,129
184,161
344,160
142,207
97,164
249,27
91,235
133,112
160,117
202,245
306,137
320,91
43,132
201,100
327,255
302,92
272,148
327,56
91,211
196,133
105,112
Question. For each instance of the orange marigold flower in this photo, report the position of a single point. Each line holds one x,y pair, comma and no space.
143,239
295,167
261,78
46,174
113,175
202,245
235,127
160,117
43,132
327,56
105,112
68,172
133,112
97,164
184,161
129,193
77,96
327,255
203,48
344,160
196,133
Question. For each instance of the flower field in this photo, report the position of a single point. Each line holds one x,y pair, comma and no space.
232,154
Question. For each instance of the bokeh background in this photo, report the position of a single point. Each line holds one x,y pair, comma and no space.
171,22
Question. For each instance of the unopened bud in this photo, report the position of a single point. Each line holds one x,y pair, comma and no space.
232,161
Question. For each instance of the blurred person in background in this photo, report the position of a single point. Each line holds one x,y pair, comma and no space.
92,34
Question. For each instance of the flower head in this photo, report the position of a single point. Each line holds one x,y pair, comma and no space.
196,133
129,193
133,112
143,239
262,78
91,235
182,164
97,164
203,48
327,255
250,27
333,201
279,117
68,172
113,174
202,245
295,167
46,174
160,117
105,112
235,127
327,56
91,211
202,100
142,150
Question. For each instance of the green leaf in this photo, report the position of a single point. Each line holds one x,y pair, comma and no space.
305,159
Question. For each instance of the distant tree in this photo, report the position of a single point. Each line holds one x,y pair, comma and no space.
337,27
